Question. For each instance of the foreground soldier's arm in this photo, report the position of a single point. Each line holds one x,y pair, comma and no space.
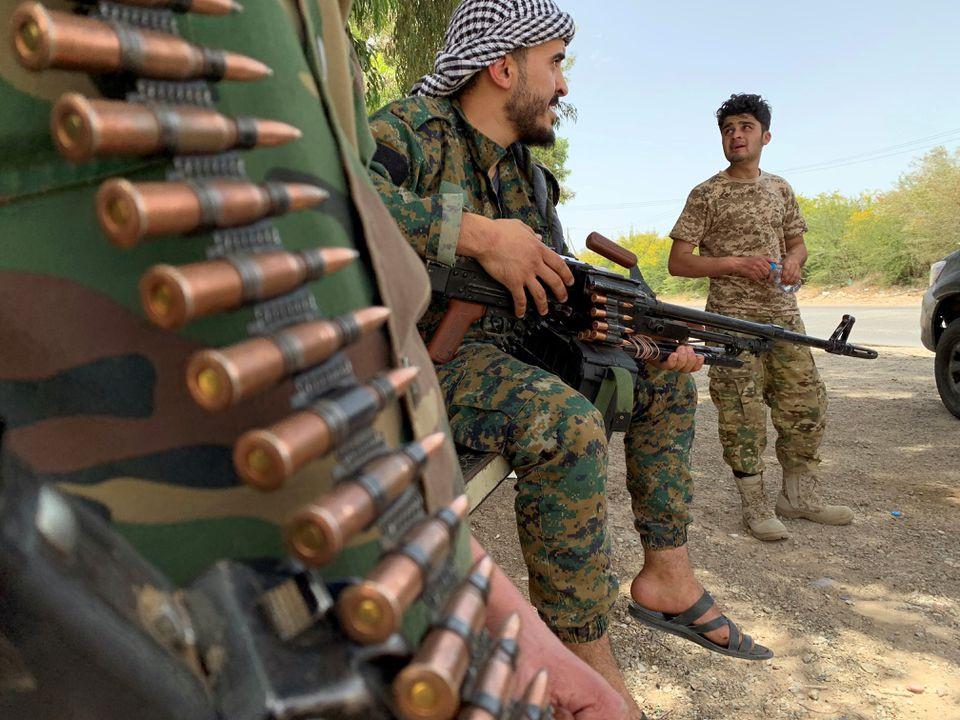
576,690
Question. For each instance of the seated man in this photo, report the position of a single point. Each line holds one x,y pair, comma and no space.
454,168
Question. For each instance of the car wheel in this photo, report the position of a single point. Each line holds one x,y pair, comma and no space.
947,367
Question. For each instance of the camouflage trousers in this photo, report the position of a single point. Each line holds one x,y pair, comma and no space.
554,439
658,445
785,379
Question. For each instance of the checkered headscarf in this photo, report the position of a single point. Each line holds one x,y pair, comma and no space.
483,31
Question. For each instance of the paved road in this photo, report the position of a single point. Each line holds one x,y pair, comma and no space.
876,324
887,325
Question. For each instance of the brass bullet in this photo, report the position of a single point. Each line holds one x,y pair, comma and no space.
492,689
44,39
266,458
83,128
219,379
596,325
609,315
317,532
373,609
128,211
536,698
429,687
173,296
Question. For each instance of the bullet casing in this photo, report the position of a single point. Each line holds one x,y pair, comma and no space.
83,128
373,609
44,39
128,211
218,379
536,698
173,296
317,533
429,687
492,690
266,458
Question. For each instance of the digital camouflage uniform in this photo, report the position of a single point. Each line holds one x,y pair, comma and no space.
726,216
93,397
431,166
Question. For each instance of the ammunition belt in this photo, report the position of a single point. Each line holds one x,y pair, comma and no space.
160,103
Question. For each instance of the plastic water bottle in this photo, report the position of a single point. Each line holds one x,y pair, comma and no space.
777,268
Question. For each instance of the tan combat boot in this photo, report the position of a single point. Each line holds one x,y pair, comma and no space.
800,499
761,523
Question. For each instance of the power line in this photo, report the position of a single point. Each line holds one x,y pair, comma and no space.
878,154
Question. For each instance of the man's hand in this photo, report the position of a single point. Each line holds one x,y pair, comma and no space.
516,257
577,691
790,274
683,359
752,267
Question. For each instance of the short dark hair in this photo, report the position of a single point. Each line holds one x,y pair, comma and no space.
742,104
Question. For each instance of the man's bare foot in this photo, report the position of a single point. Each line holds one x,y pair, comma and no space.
667,584
598,654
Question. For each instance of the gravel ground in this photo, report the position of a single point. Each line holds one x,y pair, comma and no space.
864,619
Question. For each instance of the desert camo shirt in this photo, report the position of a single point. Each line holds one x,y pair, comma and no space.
726,216
431,165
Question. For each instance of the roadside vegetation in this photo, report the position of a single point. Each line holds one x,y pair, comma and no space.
887,239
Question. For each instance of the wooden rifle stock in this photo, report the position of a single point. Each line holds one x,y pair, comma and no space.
460,315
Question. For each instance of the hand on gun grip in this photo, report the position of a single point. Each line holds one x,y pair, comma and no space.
683,359
516,257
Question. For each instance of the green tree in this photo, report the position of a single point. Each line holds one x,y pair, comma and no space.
830,260
927,202
653,254
396,42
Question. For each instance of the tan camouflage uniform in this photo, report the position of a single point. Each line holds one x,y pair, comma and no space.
725,216
430,166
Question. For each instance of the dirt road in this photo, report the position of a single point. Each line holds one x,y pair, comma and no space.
864,619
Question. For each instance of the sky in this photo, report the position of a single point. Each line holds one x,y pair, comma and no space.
860,89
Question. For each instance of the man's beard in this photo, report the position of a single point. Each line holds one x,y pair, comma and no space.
525,111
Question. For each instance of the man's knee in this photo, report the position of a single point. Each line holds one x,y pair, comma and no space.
560,424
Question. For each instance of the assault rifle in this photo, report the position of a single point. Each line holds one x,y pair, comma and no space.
593,340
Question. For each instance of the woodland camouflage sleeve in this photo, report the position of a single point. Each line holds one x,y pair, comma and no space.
430,220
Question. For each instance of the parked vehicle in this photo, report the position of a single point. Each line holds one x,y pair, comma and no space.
940,327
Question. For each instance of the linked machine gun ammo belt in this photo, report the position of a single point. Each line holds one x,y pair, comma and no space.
608,323
87,623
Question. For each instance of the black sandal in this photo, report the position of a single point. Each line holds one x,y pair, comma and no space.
740,644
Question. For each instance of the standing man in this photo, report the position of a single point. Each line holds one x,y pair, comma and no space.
744,220
454,168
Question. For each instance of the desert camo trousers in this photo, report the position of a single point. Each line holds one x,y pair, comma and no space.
785,379
554,439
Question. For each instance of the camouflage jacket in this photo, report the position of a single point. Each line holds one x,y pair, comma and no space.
93,396
431,165
725,216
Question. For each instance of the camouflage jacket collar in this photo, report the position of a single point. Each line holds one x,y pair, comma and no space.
486,152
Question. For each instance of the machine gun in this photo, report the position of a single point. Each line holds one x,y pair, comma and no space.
593,340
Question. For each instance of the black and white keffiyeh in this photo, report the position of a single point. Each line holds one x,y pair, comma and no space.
483,31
